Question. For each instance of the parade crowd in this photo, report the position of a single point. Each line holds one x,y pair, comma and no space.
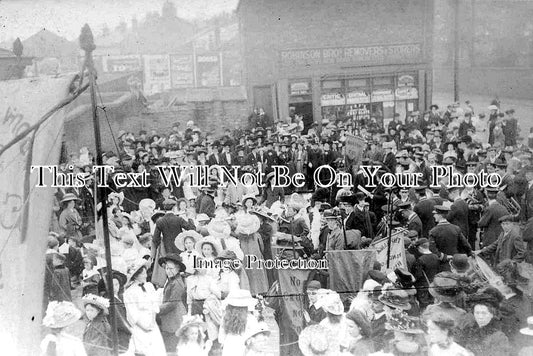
464,288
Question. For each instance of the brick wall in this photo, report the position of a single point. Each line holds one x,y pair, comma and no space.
128,114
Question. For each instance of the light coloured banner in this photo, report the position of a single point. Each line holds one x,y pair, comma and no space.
25,210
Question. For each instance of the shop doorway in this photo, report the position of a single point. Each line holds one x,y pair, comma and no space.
304,109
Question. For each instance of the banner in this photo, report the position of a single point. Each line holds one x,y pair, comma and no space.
292,284
397,252
354,147
156,73
348,269
25,210
182,71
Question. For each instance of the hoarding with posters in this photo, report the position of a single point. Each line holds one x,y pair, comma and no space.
126,63
156,73
182,70
208,73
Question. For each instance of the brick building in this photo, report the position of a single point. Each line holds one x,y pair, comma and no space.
338,58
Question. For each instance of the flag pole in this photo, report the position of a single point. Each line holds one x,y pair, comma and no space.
87,44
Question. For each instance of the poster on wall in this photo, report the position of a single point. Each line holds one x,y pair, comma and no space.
181,71
156,73
360,112
332,99
126,63
208,70
357,97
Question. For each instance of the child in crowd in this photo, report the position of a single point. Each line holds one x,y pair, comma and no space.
96,336
90,276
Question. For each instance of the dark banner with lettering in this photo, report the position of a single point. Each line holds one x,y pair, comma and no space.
374,55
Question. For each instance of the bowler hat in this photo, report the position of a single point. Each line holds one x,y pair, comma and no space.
460,263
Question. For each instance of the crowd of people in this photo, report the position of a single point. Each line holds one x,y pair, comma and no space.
465,287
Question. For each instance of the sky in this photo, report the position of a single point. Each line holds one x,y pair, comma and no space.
23,18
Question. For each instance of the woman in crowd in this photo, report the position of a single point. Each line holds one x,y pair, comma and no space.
96,336
60,315
440,329
252,247
141,308
191,338
484,336
359,332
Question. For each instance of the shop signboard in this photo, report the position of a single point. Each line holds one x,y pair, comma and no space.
126,63
374,55
357,97
181,71
406,93
156,73
208,70
382,95
406,80
332,99
300,88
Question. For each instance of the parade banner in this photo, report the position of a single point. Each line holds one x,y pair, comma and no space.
156,73
292,284
397,252
348,270
354,147
24,209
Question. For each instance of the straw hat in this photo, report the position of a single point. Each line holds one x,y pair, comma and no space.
405,324
119,196
218,228
318,340
240,298
61,314
263,212
210,240
180,239
147,203
297,202
332,303
247,224
99,302
395,298
69,197
249,196
256,328
137,265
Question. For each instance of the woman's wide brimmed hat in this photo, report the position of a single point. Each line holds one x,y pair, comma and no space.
260,327
332,303
156,215
99,302
174,257
445,287
213,241
68,197
395,298
317,340
61,314
249,196
263,212
147,203
218,228
180,239
240,298
247,224
297,202
119,276
403,323
136,267
119,196
191,321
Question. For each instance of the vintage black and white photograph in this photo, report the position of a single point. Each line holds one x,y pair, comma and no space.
266,177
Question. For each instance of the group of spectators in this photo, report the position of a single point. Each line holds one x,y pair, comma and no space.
463,289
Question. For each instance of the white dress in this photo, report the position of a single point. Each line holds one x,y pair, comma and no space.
66,345
141,308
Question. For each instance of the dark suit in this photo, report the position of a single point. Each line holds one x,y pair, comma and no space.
172,311
414,223
389,160
227,160
359,220
207,206
489,221
214,159
458,215
424,210
448,239
167,228
509,246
